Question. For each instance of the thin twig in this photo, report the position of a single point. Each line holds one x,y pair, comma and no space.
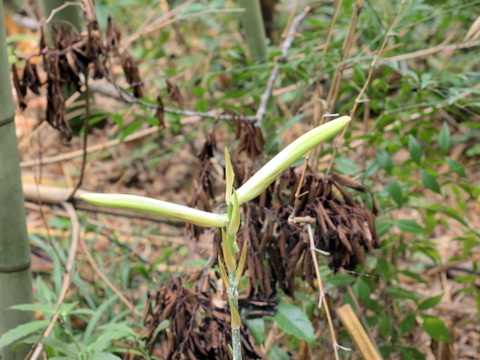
104,278
359,98
346,46
67,278
323,298
290,19
154,25
91,149
125,96
61,7
338,4
434,50
287,43
86,128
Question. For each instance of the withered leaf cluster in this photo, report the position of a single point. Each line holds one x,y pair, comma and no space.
342,226
174,94
250,138
67,60
198,329
29,80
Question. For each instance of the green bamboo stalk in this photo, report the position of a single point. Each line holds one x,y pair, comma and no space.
254,29
15,275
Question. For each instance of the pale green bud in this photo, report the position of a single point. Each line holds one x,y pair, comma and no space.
171,211
234,223
274,168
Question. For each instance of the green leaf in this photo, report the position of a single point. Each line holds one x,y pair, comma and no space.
21,331
399,293
47,309
383,226
111,332
430,302
407,323
430,181
444,138
104,356
465,279
410,353
415,149
257,328
277,353
414,276
384,160
409,226
340,280
65,348
345,165
456,167
361,290
436,328
293,321
93,323
290,123
395,192
385,326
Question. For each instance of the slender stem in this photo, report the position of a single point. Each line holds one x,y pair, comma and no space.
233,300
323,299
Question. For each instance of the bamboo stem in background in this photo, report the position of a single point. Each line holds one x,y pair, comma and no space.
254,29
68,16
15,275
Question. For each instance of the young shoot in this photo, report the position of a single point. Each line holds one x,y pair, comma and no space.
230,270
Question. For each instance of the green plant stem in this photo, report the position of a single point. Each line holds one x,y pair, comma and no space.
254,29
233,301
15,277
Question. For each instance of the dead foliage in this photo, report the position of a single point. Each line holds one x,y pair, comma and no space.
279,251
68,59
199,326
175,95
250,138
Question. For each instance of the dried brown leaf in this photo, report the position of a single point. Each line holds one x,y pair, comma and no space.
347,181
160,112
175,95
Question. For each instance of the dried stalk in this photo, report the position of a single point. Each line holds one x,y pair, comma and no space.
322,298
347,45
367,82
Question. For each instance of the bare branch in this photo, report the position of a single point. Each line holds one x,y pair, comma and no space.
128,98
287,43
60,8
